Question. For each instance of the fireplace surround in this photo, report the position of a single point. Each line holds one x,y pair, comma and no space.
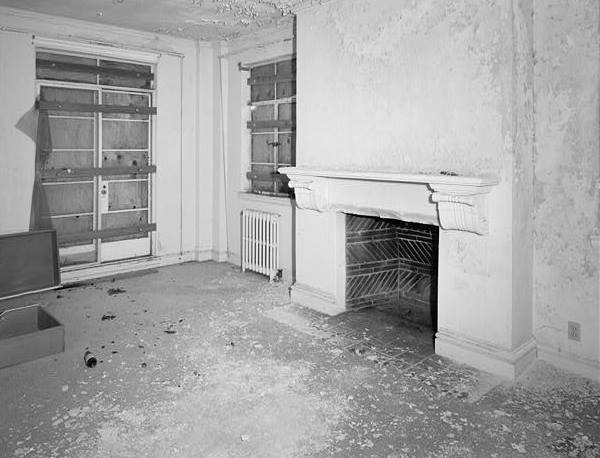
478,322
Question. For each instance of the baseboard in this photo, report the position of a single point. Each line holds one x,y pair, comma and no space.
315,299
584,367
203,255
121,267
219,256
236,260
490,358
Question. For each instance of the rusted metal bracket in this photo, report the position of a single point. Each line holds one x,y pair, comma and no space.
105,233
97,171
43,105
269,176
271,124
92,69
268,79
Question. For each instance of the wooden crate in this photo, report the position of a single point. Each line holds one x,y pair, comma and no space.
29,333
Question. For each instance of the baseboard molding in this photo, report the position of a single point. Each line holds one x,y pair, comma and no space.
584,367
203,255
121,267
219,256
509,364
236,260
315,299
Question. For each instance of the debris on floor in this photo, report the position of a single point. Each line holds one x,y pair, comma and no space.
114,291
89,359
244,373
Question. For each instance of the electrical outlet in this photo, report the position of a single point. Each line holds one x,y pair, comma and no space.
574,330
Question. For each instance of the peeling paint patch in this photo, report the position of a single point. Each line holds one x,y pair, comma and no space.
567,201
411,86
213,20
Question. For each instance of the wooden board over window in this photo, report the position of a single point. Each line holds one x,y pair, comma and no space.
94,168
64,67
272,125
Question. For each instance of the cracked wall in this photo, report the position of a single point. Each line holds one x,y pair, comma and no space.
566,177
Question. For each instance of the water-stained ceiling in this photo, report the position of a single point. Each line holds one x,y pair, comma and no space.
197,19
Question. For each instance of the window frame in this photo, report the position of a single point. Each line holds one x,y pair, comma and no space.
99,89
276,131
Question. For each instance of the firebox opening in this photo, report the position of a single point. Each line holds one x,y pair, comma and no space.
392,265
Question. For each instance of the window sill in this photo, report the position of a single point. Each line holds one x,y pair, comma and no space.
286,202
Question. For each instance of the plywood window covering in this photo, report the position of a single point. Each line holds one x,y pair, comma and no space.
272,125
93,163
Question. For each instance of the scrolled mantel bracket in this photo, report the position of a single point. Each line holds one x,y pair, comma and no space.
311,193
462,208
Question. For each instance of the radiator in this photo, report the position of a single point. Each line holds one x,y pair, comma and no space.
260,243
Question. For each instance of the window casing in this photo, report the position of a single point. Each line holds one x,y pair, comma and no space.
272,126
94,161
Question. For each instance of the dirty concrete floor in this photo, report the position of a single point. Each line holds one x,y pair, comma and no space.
202,360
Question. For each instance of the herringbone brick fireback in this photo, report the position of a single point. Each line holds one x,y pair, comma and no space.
389,262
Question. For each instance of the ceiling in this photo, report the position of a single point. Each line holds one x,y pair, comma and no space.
196,19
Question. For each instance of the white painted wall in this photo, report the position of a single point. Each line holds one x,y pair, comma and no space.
17,148
184,125
206,147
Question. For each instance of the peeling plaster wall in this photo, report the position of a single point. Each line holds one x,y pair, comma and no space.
432,86
508,87
420,86
181,144
567,203
522,129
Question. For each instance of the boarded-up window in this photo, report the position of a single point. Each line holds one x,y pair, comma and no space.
94,157
272,125
64,67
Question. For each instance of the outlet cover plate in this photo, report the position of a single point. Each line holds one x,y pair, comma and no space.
574,330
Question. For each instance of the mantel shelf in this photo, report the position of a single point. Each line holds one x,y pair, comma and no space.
398,177
461,200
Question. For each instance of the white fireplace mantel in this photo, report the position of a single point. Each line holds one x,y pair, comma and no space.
450,201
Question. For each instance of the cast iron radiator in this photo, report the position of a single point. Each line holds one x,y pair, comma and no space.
260,242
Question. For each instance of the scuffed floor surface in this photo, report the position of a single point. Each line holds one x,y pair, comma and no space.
201,360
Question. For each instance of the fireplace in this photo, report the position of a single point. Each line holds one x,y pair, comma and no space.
483,311
392,264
